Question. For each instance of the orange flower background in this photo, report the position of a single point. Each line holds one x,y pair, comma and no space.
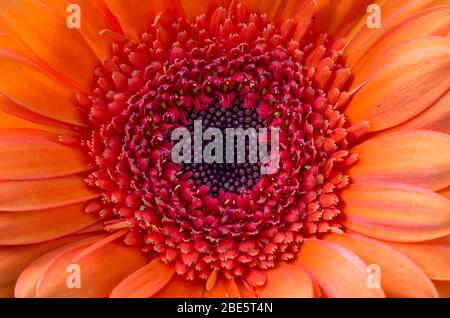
366,115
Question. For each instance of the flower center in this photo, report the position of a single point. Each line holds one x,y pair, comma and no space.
230,69
235,170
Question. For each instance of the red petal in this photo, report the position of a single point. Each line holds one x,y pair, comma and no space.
256,277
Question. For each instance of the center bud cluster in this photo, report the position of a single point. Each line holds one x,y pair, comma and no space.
226,149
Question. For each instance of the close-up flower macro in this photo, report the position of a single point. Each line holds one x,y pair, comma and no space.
350,99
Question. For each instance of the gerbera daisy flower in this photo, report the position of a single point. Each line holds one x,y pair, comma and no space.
88,187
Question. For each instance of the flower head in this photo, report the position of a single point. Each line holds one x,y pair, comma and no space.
363,161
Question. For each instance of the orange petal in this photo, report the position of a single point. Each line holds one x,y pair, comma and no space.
179,287
39,226
300,10
282,10
96,227
338,17
7,290
14,116
26,155
400,277
145,282
432,256
437,117
393,13
395,212
419,158
43,29
287,281
100,243
269,7
34,89
434,21
245,290
192,10
224,288
94,18
9,41
13,259
10,121
443,288
445,192
29,278
135,17
317,291
43,194
404,88
100,271
339,272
